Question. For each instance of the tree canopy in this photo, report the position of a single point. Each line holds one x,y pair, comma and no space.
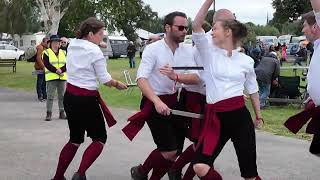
289,11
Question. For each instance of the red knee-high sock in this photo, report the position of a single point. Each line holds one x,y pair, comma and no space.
189,174
160,168
89,156
150,161
66,155
185,158
212,175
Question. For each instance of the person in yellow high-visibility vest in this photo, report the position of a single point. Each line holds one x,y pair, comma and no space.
54,60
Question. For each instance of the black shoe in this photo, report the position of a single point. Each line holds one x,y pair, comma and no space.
48,117
174,175
315,145
136,175
41,99
62,115
77,176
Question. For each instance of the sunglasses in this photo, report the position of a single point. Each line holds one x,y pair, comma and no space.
181,28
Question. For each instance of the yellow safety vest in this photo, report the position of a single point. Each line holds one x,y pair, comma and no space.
57,62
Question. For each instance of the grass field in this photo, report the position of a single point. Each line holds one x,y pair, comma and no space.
23,80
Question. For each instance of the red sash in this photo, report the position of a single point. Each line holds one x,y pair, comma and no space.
296,122
210,134
77,91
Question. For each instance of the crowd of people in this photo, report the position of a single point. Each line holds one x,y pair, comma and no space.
218,92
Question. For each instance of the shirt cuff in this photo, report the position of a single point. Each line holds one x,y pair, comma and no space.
106,79
200,39
252,90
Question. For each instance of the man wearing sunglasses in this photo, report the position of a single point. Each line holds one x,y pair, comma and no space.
157,82
64,44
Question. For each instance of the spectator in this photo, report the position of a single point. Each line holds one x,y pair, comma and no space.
55,62
284,52
301,55
131,54
310,48
267,72
256,56
64,43
39,67
151,39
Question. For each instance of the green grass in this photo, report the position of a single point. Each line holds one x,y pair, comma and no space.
130,98
23,80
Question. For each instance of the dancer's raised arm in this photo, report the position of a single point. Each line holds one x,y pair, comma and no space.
316,8
199,19
315,5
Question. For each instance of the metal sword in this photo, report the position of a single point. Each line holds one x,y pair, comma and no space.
186,114
188,68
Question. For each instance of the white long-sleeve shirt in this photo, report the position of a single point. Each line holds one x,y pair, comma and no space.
313,76
157,55
225,77
86,64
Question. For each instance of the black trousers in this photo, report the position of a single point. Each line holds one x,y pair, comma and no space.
238,126
84,115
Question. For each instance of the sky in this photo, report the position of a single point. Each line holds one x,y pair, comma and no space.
246,10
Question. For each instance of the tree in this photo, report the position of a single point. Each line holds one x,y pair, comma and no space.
18,16
51,12
209,17
78,11
258,30
292,28
288,11
127,15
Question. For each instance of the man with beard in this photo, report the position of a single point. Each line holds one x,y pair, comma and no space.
157,82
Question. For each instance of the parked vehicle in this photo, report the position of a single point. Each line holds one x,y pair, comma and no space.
10,52
268,40
293,48
285,39
298,39
116,46
188,39
119,46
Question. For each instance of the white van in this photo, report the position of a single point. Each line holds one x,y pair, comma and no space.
268,40
116,46
284,39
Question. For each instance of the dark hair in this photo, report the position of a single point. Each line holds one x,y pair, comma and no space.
272,48
310,18
239,30
91,24
168,19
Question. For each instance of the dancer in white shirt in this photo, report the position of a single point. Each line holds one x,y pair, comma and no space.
227,72
160,96
84,107
311,29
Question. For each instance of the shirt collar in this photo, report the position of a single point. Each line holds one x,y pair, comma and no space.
166,45
225,52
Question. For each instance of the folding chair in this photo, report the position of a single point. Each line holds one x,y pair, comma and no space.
289,90
129,82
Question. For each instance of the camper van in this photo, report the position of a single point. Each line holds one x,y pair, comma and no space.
116,46
268,40
285,39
